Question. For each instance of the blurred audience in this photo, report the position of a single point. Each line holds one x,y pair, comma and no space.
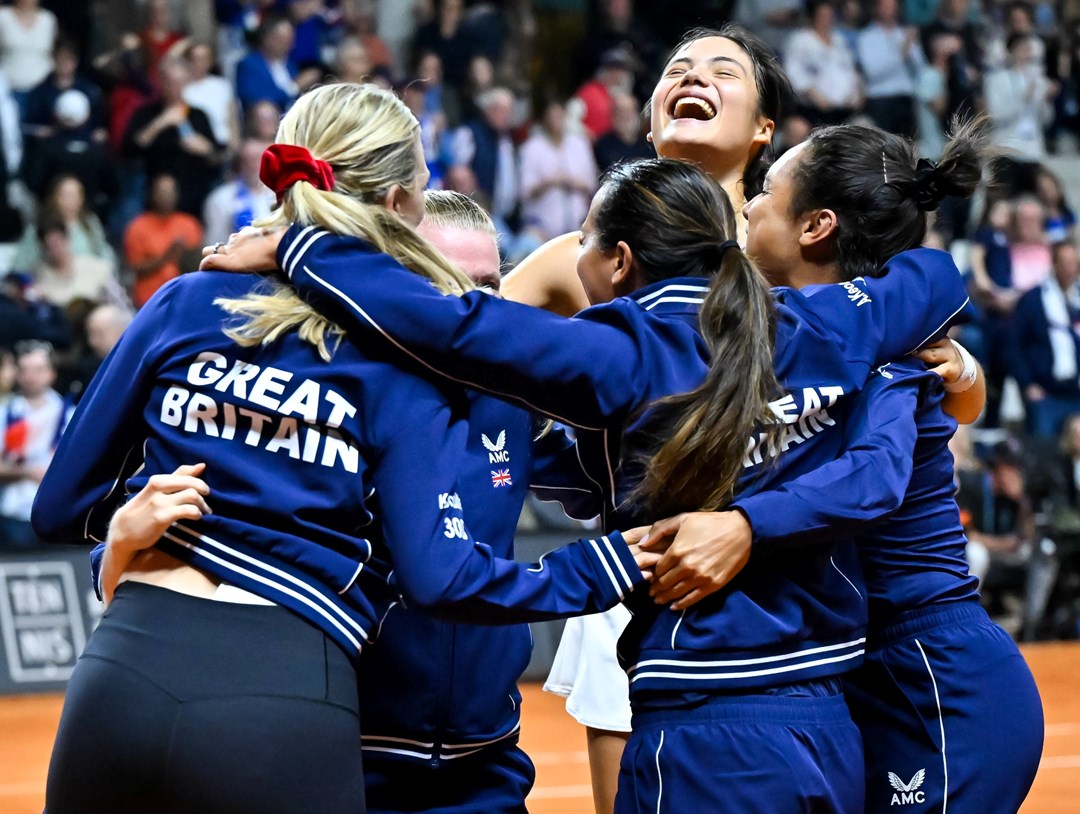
31,423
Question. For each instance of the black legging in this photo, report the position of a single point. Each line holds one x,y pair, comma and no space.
181,704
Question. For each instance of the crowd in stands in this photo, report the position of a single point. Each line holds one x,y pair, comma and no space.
132,132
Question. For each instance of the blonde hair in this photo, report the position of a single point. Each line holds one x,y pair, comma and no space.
369,137
449,209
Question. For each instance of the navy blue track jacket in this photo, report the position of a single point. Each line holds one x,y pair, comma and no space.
335,487
789,618
897,458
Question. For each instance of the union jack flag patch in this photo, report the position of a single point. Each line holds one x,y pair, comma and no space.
501,477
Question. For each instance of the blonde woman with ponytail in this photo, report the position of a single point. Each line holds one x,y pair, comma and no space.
241,591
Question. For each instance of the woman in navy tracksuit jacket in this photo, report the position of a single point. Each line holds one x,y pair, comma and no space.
335,489
950,714
767,652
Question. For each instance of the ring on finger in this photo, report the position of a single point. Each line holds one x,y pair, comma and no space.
218,247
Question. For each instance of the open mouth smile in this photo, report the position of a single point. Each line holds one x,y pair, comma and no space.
693,107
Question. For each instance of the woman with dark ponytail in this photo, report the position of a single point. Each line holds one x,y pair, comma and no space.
949,712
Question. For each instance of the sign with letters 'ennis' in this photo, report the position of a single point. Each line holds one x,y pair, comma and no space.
47,610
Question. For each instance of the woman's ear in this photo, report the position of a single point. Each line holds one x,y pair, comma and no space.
818,226
392,201
622,273
764,134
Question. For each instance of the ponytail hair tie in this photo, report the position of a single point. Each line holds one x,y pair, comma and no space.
721,250
927,190
285,164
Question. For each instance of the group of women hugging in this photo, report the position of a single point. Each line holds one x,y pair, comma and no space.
304,465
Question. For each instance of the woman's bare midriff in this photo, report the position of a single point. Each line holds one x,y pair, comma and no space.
157,568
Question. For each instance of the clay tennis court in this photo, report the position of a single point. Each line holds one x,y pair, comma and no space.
556,743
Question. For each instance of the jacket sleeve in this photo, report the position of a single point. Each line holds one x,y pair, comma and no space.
102,445
439,567
876,320
868,482
584,372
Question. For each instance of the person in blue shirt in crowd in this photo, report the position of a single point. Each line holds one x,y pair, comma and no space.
948,709
647,380
223,677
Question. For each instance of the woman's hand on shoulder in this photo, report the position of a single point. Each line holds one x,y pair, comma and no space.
250,250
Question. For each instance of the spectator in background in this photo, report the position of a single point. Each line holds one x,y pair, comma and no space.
352,63
238,202
822,69
486,147
891,59
932,94
66,202
1000,523
614,75
627,140
558,177
312,31
11,218
1060,219
441,102
1045,346
159,240
32,422
772,20
23,315
1030,248
158,36
616,27
261,121
964,74
63,277
104,326
173,137
212,94
1019,97
358,17
993,292
1006,22
42,115
449,37
267,73
432,129
27,34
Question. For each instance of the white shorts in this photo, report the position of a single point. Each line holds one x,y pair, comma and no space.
587,671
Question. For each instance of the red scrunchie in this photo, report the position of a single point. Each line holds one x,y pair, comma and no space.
285,164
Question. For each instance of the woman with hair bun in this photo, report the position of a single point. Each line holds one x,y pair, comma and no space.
948,710
223,675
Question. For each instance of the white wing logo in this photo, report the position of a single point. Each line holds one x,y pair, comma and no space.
911,785
500,442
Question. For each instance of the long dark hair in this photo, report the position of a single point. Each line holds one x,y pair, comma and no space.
773,89
879,188
678,221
